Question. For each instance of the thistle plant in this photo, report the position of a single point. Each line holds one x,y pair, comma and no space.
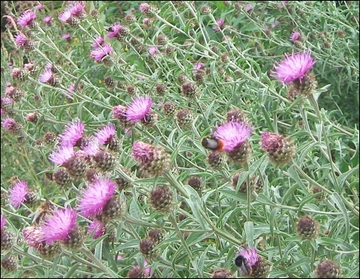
155,139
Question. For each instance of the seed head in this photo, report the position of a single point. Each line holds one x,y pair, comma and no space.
161,199
307,228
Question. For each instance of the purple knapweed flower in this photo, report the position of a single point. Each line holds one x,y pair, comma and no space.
47,76
66,37
246,259
114,30
21,40
96,228
142,152
34,236
61,155
96,196
99,53
105,134
99,41
72,134
295,36
17,195
220,25
27,19
6,102
233,133
293,67
77,9
59,226
92,146
249,7
198,66
66,16
138,109
144,7
11,125
153,50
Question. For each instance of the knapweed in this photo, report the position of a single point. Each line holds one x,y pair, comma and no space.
237,115
220,25
107,136
99,41
62,178
34,237
27,19
6,103
48,77
7,238
307,227
20,193
72,134
19,74
75,163
96,229
139,272
102,54
47,20
152,160
148,248
119,112
295,69
169,109
196,183
189,89
62,226
10,263
328,269
140,110
161,199
215,160
22,41
249,263
280,149
295,36
156,235
235,137
184,118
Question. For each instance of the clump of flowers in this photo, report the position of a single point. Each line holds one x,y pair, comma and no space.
280,149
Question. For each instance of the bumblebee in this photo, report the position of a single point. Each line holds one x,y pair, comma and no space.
44,209
213,143
242,266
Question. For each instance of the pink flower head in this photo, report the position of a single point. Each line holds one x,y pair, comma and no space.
47,76
58,226
250,257
153,50
96,228
147,270
138,109
99,53
18,193
198,66
144,7
3,222
119,112
295,36
270,141
233,133
92,147
66,16
142,152
21,39
6,102
105,134
61,155
294,67
34,236
96,196
77,9
220,22
27,19
249,7
114,30
39,7
72,133
9,124
99,41
66,36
